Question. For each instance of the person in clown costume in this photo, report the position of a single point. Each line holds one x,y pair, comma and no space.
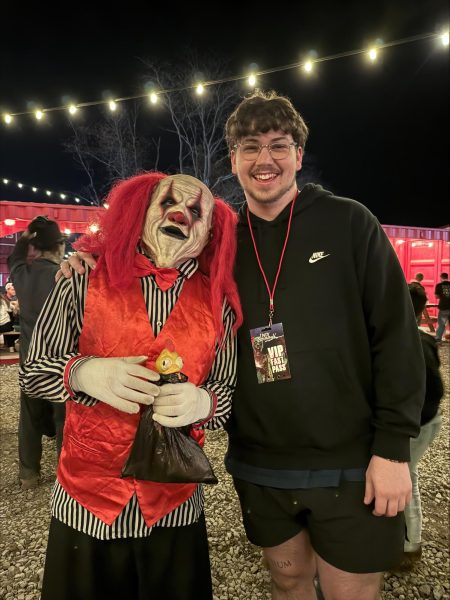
165,252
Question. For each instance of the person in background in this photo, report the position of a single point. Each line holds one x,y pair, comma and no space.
442,292
13,303
417,281
10,292
33,281
6,323
430,425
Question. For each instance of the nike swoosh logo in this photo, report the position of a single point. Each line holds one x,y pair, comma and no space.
313,260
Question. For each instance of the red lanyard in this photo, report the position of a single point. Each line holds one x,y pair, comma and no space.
271,292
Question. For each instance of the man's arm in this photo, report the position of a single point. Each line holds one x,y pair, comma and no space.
398,370
398,367
54,342
221,380
18,257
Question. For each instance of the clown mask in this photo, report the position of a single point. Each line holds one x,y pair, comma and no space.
178,220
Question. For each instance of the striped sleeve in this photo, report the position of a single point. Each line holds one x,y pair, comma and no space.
55,341
221,380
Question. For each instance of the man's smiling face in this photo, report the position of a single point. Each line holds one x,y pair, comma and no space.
178,220
266,180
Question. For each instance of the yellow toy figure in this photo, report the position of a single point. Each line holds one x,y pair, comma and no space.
169,364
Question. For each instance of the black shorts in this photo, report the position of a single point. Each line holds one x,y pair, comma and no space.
343,530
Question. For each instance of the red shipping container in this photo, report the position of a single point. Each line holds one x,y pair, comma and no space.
422,250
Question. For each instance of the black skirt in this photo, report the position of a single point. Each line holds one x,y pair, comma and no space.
171,564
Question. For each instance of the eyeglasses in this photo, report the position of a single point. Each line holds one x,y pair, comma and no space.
251,150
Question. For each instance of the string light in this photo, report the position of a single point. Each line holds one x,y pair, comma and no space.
373,54
66,196
308,66
199,88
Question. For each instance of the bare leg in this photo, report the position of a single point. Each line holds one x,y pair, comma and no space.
340,585
292,568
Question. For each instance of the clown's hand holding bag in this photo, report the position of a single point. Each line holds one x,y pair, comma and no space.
171,454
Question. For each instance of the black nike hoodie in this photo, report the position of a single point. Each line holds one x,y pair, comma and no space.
357,384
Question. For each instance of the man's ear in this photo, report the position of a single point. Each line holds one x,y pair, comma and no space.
233,162
299,158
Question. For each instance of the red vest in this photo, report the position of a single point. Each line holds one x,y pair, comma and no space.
98,439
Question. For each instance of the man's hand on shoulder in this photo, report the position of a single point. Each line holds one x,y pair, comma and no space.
74,262
388,483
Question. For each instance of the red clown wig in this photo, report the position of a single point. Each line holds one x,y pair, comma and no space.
120,231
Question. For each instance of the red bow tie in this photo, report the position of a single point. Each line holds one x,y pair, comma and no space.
164,277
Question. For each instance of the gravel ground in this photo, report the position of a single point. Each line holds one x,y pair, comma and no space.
236,565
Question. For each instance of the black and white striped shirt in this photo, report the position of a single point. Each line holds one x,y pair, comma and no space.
55,342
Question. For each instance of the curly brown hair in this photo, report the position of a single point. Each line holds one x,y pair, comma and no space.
262,112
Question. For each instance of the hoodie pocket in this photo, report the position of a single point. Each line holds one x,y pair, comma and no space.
331,408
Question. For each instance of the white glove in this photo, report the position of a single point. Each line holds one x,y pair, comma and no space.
120,382
181,404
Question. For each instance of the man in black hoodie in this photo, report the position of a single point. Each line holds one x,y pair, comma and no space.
324,408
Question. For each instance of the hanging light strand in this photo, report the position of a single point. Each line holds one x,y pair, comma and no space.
112,102
65,196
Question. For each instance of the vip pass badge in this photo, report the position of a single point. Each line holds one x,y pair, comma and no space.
269,351
268,342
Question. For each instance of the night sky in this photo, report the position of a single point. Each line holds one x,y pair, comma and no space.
378,133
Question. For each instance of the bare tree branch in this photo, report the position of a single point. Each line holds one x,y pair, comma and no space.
118,145
112,147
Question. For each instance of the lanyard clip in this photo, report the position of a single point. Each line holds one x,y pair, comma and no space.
271,311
